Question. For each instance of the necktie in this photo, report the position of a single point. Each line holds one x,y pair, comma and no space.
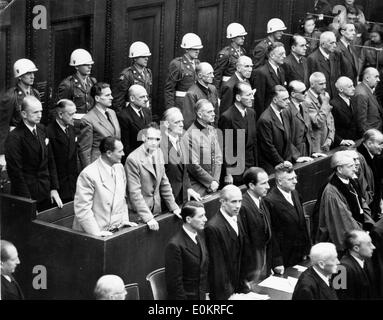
320,100
113,172
34,132
279,75
301,110
245,113
178,147
141,114
67,131
154,165
235,225
109,118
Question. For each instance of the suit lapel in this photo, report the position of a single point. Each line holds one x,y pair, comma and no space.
106,178
276,121
104,122
323,62
190,245
293,211
273,75
230,230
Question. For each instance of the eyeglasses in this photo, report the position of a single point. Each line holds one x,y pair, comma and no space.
153,139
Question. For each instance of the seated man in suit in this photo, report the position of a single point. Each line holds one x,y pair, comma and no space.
360,277
239,134
133,117
175,157
10,289
225,238
98,123
204,150
268,76
186,256
370,112
295,64
202,89
257,224
322,122
342,207
244,67
315,282
30,163
62,136
274,132
299,121
100,202
110,287
291,242
345,113
147,180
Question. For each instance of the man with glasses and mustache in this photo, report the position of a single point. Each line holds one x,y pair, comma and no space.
244,67
147,180
202,89
226,61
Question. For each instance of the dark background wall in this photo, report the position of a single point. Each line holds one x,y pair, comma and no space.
107,28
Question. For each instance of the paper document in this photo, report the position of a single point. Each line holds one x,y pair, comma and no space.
249,296
282,284
300,268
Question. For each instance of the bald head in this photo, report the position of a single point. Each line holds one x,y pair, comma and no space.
110,287
138,96
205,73
174,121
371,77
327,41
373,141
244,66
31,110
345,87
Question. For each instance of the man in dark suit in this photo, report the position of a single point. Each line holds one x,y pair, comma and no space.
326,61
175,156
257,224
344,111
239,134
370,112
360,277
62,137
186,257
299,121
268,76
244,67
29,157
10,289
291,242
274,133
349,60
295,64
133,117
225,240
315,282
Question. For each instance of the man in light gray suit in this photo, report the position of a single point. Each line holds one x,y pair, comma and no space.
147,180
100,201
369,111
98,123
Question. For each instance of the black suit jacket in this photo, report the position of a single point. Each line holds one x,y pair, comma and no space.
232,119
265,79
10,290
311,287
131,124
291,240
186,268
257,225
349,62
295,70
274,140
176,170
227,98
345,118
30,163
225,257
317,62
360,283
65,155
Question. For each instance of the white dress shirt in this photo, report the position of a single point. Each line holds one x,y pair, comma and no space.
277,113
287,196
192,235
232,221
360,262
323,277
256,201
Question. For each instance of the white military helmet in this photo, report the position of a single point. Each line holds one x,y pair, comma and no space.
23,66
235,30
191,41
80,57
274,25
139,49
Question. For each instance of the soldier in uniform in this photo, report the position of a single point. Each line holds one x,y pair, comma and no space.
225,64
137,73
181,74
77,86
275,29
10,103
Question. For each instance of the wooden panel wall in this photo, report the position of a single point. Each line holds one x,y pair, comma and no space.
108,27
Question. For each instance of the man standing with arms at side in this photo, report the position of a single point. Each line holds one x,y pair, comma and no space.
225,241
257,224
186,257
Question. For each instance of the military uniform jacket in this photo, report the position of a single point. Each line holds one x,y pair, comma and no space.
129,77
72,88
181,76
10,106
225,65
